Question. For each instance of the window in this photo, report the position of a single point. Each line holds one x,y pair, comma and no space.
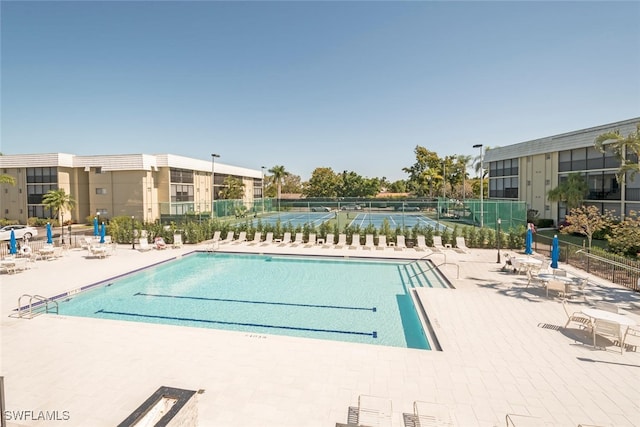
98,170
102,212
101,191
182,176
547,182
181,193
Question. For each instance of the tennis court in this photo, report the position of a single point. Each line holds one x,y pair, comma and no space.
298,218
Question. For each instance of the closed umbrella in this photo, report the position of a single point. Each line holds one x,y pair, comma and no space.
555,252
528,242
49,234
13,245
95,226
102,233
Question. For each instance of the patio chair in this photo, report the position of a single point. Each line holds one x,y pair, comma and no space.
143,244
382,242
311,241
531,278
368,242
437,244
177,241
432,414
328,242
355,241
421,243
227,239
242,237
268,239
374,411
557,286
298,239
461,245
257,238
575,316
216,237
342,241
612,329
515,420
400,243
286,239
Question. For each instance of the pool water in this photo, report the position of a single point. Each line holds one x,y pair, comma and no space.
363,301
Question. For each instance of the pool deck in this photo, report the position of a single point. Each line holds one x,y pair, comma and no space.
504,351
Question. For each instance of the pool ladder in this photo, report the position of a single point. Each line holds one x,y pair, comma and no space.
39,302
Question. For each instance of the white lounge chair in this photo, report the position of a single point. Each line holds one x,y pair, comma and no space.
355,241
257,238
311,241
421,243
227,239
374,411
437,243
575,316
430,414
368,242
342,241
400,243
143,244
298,239
177,241
286,239
382,242
216,237
461,245
242,237
268,239
557,286
328,242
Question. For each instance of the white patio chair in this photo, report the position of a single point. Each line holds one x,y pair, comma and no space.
400,243
286,239
342,241
382,242
611,329
242,237
374,411
268,239
461,245
298,240
431,414
421,243
177,241
575,316
227,239
328,242
557,286
311,241
437,243
355,241
368,242
257,238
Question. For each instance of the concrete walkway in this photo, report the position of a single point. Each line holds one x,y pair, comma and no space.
504,351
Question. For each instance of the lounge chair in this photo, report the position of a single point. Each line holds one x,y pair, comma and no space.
421,244
575,316
374,411
382,242
311,241
242,237
286,239
400,243
437,243
611,329
342,241
298,239
143,244
328,242
461,245
257,238
177,241
368,242
355,241
159,243
268,239
227,239
432,414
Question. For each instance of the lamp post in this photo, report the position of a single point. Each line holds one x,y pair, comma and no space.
133,233
498,239
481,185
263,168
62,228
444,180
213,183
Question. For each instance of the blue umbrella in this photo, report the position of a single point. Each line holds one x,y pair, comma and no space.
95,226
13,246
102,232
49,235
555,252
528,242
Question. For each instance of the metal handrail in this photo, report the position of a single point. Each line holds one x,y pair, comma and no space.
435,266
608,261
427,256
40,298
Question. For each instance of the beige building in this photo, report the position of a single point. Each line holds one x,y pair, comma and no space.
142,185
528,170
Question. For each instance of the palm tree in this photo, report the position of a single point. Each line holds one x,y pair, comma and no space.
58,200
463,162
277,175
572,191
621,147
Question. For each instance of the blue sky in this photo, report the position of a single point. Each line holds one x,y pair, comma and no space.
348,85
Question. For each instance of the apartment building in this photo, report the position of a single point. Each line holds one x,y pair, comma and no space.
528,170
145,186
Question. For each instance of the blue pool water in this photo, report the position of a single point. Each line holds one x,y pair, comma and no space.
346,300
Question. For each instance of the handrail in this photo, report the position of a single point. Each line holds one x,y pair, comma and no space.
608,261
435,266
40,298
427,256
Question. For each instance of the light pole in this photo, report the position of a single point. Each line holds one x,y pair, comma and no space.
444,180
133,234
498,239
62,228
263,168
481,185
213,184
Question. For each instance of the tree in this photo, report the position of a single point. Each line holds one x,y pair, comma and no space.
622,147
424,172
399,186
587,220
323,183
350,184
233,188
291,184
624,237
277,175
462,164
572,191
58,200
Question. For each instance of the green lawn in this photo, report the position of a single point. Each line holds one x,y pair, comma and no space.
575,239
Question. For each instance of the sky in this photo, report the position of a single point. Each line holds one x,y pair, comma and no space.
352,86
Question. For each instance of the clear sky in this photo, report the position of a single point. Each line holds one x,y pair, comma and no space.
347,85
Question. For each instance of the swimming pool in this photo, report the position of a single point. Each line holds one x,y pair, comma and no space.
363,301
